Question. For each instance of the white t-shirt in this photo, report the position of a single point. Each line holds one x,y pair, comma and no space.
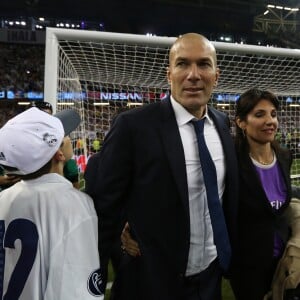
50,241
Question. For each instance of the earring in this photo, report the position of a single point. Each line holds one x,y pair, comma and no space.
244,134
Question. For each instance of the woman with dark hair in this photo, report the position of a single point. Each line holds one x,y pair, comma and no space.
265,192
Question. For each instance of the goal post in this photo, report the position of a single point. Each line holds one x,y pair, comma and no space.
102,73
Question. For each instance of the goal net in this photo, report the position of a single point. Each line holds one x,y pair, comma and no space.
102,73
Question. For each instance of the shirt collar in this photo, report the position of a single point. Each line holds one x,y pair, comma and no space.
183,116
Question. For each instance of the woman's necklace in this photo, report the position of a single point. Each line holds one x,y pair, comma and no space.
263,162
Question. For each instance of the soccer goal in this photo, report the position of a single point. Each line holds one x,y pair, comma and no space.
103,73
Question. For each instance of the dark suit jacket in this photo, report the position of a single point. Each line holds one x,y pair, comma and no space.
257,221
141,169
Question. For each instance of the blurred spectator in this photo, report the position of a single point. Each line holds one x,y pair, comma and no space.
21,68
71,172
96,143
79,148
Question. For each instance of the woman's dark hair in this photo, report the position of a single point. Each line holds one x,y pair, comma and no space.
245,103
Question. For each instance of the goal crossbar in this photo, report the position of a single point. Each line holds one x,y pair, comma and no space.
97,72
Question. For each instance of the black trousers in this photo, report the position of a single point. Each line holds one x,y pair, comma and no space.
205,285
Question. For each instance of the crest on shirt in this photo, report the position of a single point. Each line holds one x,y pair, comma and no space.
95,283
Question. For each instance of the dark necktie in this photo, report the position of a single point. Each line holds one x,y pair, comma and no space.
221,238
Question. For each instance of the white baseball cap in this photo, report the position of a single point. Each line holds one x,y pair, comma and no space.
30,139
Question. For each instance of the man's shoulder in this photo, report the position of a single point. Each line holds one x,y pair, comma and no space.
217,112
144,109
143,114
221,118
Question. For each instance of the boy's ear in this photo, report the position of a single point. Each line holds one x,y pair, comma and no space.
59,156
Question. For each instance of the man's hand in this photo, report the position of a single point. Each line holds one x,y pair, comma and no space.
128,243
8,179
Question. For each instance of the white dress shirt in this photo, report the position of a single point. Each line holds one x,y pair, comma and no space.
202,248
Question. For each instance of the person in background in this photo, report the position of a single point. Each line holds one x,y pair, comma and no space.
264,194
44,220
96,143
70,168
150,169
79,147
71,172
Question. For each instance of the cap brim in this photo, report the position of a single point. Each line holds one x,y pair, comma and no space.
70,119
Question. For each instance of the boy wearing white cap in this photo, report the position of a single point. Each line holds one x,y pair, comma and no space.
48,228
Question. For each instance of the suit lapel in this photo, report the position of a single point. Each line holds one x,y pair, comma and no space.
251,178
223,131
285,168
174,150
226,140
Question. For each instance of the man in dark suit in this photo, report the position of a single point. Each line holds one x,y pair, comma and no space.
149,168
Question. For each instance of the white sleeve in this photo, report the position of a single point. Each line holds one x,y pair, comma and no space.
74,268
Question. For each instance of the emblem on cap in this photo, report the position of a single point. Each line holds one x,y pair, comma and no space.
2,156
50,139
